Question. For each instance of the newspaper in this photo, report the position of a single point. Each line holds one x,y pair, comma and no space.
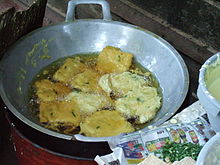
190,125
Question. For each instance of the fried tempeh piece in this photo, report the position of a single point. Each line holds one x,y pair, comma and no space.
113,60
89,102
141,104
49,91
105,123
122,83
69,69
58,115
87,81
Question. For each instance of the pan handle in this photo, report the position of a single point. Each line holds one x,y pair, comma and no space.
89,139
70,16
82,138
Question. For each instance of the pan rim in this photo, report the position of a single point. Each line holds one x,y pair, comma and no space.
68,137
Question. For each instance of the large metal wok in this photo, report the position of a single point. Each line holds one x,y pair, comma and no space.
45,45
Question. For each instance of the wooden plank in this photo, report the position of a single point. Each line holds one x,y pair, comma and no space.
196,17
184,42
6,4
193,69
14,24
54,13
82,11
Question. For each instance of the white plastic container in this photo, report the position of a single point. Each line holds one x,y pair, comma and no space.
209,102
210,153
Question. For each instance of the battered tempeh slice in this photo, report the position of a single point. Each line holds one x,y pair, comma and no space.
69,69
90,102
87,81
60,115
141,104
105,123
113,60
49,91
122,83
